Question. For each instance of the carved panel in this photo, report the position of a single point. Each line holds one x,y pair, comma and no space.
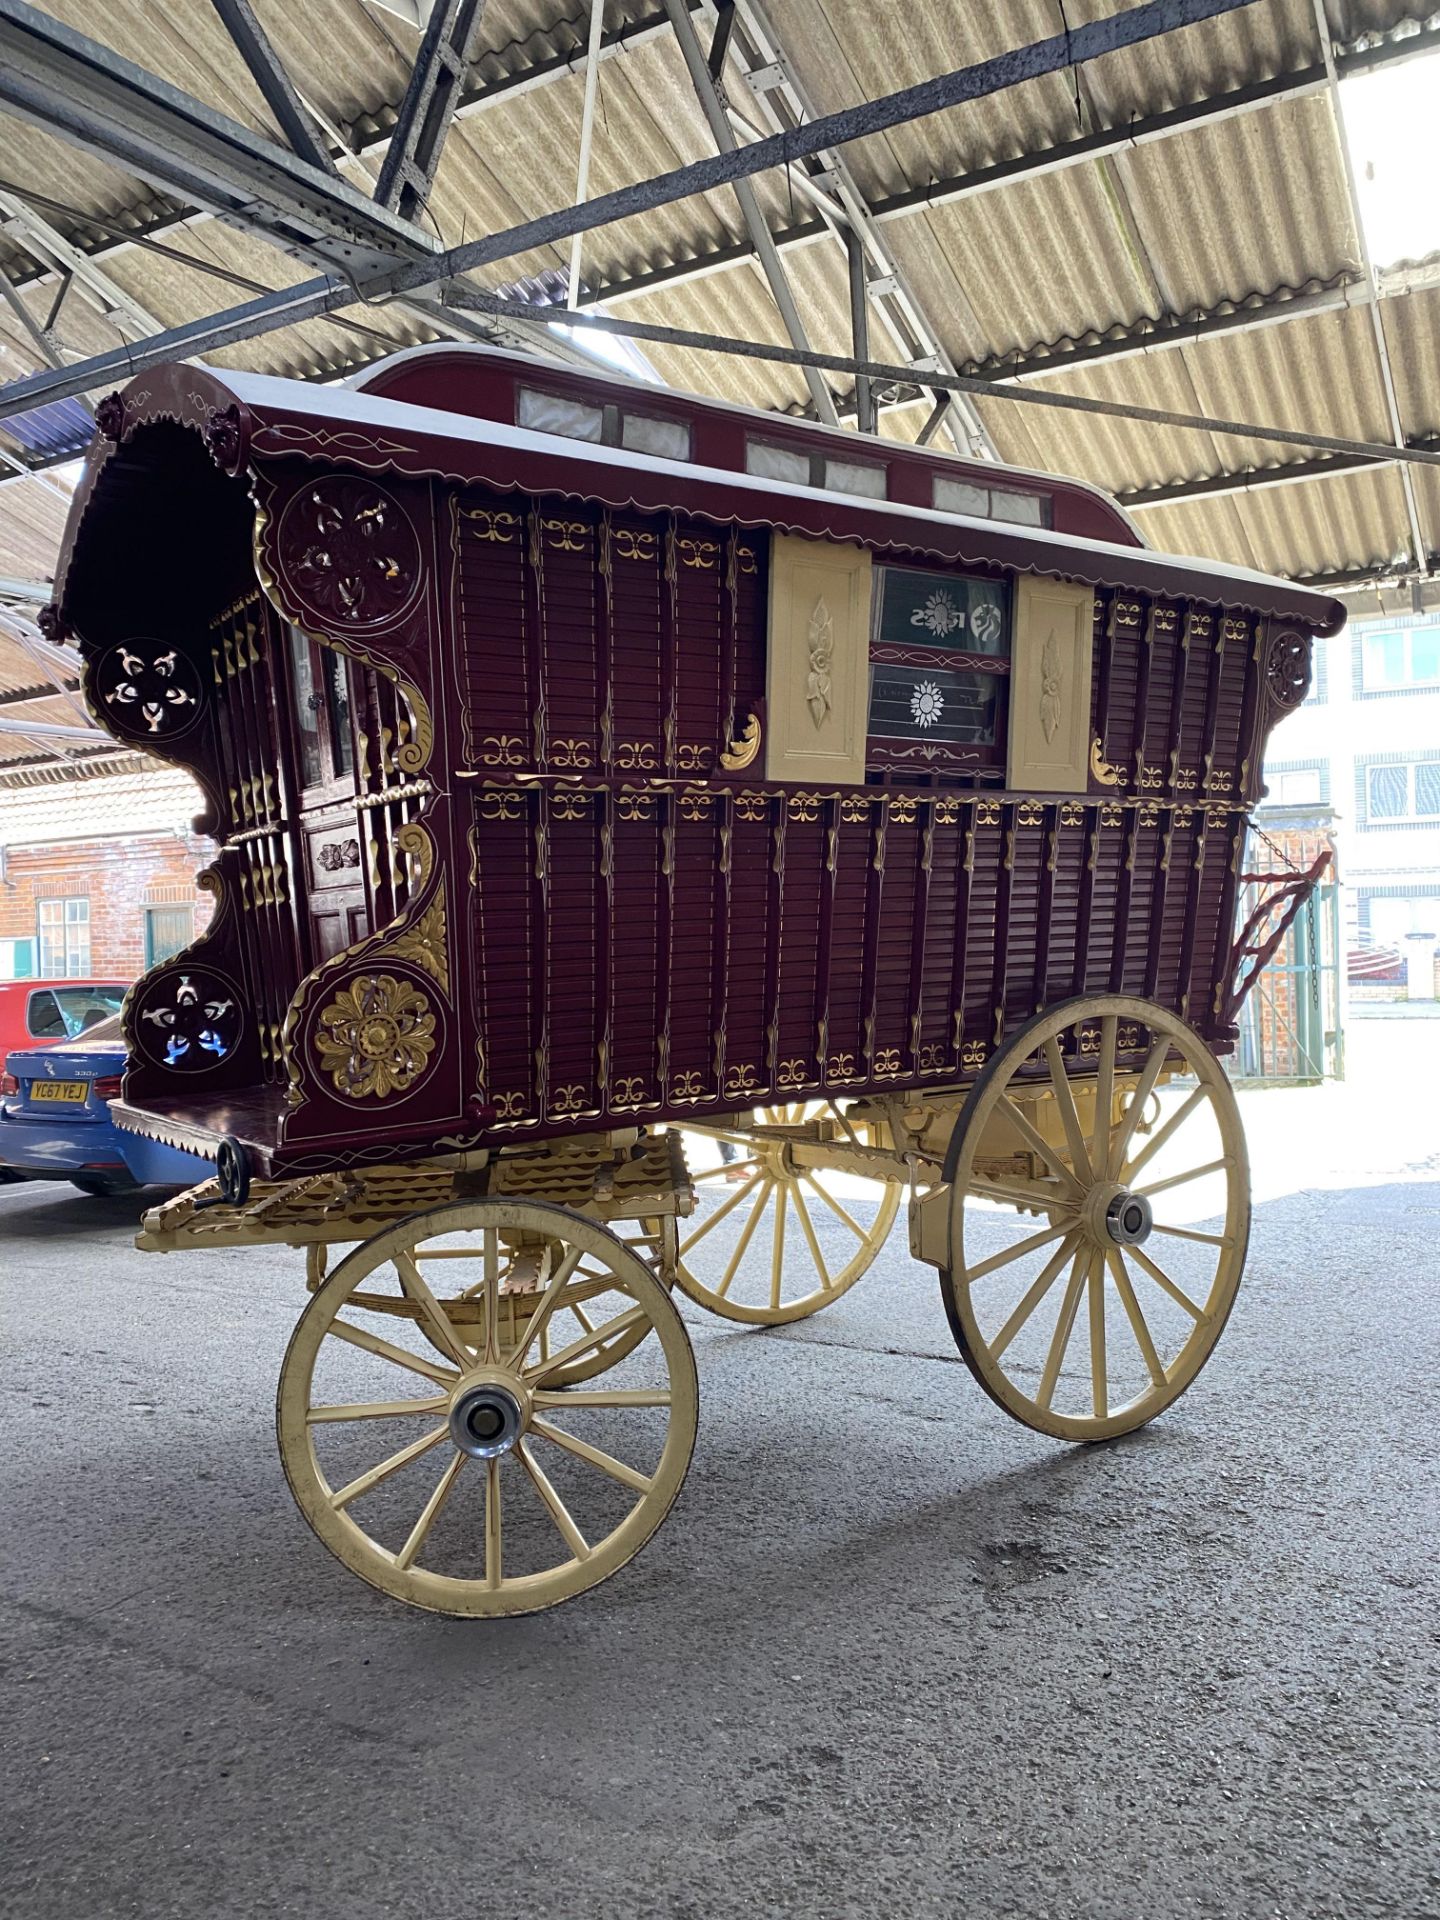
349,555
818,666
1050,740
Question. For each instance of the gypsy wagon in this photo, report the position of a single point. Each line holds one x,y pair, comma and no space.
653,839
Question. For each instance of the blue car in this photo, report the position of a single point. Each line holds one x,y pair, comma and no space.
55,1120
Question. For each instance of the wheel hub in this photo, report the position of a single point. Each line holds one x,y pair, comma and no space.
486,1419
1129,1219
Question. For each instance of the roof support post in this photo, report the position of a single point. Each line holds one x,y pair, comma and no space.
413,155
587,133
269,75
865,417
760,236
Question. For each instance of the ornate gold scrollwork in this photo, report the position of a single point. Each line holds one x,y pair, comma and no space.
739,753
1100,767
375,1037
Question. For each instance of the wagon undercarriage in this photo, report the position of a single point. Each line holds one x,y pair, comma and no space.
490,1401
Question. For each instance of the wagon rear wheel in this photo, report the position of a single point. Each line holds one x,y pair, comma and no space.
427,1431
1090,1283
773,1241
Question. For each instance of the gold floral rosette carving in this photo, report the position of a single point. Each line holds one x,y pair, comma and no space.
376,1036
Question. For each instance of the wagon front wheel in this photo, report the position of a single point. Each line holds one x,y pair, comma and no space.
432,1429
774,1240
1099,1215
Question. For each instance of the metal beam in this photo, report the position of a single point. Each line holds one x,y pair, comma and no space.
1215,486
783,104
266,70
723,134
418,136
328,294
60,80
52,730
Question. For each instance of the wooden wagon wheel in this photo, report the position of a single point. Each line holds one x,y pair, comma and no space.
1091,1301
757,1256
478,1484
524,1269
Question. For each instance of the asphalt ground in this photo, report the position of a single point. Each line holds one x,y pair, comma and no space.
892,1653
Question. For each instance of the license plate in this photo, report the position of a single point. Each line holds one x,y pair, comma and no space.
68,1090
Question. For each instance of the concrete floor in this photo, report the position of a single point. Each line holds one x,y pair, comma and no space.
891,1654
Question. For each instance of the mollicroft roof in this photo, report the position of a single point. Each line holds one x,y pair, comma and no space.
1167,225
280,419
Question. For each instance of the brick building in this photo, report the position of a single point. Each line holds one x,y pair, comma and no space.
97,866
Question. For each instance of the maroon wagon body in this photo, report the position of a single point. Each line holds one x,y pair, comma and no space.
460,696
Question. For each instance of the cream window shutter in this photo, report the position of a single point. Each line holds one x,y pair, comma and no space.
1050,667
818,672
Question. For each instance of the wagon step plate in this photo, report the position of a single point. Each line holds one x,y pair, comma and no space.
589,1176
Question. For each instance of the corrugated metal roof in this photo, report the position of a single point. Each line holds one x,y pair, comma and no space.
1230,212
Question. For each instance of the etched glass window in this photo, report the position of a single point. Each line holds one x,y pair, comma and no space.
769,462
551,413
667,439
855,476
939,661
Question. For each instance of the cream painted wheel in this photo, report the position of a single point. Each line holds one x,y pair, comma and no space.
1090,1289
779,1243
436,1450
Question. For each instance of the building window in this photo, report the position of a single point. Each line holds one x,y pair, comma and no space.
1407,658
167,931
1408,791
990,503
64,928
17,959
1295,787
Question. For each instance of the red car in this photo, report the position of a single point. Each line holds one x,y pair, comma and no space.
33,1012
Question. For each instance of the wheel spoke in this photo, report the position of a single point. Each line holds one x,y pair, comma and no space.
844,1122
811,1241
579,1313
1060,1339
539,1320
1105,1087
1162,1280
494,1564
387,1350
572,1536
1069,1115
833,1204
1144,1087
602,1397
1007,1254
1180,1179
1139,1325
1157,1140
373,1410
611,1330
777,1245
416,1285
594,1456
725,1168
1201,1239
372,1478
1034,1295
492,1325
1037,1143
728,1277
406,1556
1099,1381
726,1206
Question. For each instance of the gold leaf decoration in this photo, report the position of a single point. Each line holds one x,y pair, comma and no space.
375,1037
